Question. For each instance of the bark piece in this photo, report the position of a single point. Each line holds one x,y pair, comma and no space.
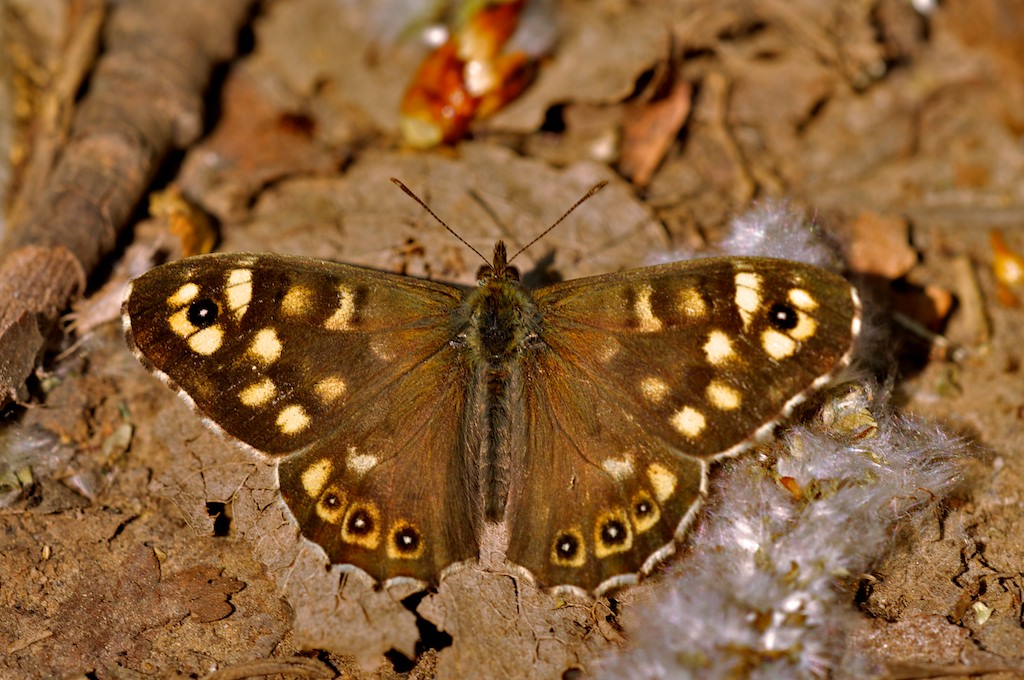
145,98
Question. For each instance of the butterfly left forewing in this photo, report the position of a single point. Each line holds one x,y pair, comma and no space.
270,348
345,375
642,378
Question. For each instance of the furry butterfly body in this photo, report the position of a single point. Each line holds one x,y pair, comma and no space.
405,415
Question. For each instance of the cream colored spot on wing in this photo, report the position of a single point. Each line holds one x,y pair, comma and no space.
292,419
342,317
688,421
206,341
239,291
748,295
645,312
296,301
718,349
692,304
265,346
314,478
778,345
723,397
805,327
654,389
258,394
330,389
663,481
184,295
360,463
180,325
619,468
802,299
748,280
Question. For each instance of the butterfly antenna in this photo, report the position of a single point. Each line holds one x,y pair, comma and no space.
426,207
587,196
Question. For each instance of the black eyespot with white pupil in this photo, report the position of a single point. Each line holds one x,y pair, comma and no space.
360,523
332,501
783,317
407,540
567,546
613,532
643,508
203,313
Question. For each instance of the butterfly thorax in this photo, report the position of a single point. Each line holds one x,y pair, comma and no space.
503,318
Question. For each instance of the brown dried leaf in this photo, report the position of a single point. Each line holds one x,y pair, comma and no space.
649,129
598,59
260,138
486,194
298,47
880,245
929,306
503,624
106,617
207,591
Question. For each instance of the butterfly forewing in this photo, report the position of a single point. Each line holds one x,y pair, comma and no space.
703,353
348,370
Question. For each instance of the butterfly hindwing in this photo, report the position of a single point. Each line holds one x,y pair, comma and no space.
345,373
391,490
595,497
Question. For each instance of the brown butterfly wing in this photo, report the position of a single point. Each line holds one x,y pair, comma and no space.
346,375
391,490
641,379
595,496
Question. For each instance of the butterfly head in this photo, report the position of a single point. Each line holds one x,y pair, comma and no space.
499,268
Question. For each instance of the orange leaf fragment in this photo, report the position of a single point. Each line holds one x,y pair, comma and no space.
466,78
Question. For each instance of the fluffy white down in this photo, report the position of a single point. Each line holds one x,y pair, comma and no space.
755,595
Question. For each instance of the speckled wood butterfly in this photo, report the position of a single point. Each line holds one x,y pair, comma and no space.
406,414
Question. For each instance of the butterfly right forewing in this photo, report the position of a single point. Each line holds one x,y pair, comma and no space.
705,353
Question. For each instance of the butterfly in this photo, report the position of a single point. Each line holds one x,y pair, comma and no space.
406,415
